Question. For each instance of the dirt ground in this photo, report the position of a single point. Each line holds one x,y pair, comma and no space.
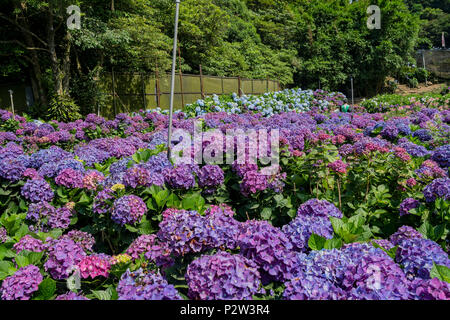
404,89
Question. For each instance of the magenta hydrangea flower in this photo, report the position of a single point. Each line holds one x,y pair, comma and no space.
145,285
94,266
429,289
338,166
223,276
29,243
63,255
92,179
37,190
128,210
22,284
70,178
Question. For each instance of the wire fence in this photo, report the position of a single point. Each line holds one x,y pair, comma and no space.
128,92
436,61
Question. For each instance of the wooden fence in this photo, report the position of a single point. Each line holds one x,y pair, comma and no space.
128,92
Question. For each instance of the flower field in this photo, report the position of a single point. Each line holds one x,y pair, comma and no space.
358,208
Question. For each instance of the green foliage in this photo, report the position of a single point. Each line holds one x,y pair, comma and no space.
63,108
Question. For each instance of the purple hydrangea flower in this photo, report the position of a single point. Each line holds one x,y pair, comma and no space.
268,247
423,135
404,232
63,255
438,188
22,284
145,285
407,205
152,248
210,176
253,182
442,156
37,190
223,276
429,289
84,239
311,287
315,207
101,205
70,178
300,229
417,256
128,210
71,296
180,177
29,243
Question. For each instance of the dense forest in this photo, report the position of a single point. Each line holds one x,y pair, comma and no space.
299,42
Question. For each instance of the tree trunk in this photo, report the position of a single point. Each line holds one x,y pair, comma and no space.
56,72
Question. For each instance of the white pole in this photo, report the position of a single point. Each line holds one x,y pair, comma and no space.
172,85
12,103
351,80
423,59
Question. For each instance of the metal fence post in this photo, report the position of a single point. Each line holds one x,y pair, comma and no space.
158,92
114,92
239,86
143,91
181,78
201,82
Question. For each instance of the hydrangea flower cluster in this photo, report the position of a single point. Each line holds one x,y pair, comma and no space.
145,285
223,276
71,296
429,289
407,205
442,156
37,190
70,178
29,243
253,182
315,207
210,176
84,239
22,284
404,232
101,205
438,188
180,177
92,179
417,256
312,217
311,287
94,266
128,210
268,247
152,248
63,255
